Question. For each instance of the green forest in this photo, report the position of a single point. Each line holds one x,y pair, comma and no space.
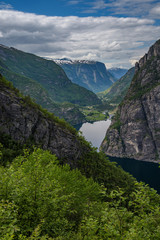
43,200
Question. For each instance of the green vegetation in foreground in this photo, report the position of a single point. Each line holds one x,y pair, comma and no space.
41,200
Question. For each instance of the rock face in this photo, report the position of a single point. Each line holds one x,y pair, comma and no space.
135,128
92,75
23,121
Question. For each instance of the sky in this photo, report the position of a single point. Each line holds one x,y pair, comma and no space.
115,32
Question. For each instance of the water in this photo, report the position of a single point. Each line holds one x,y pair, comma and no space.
143,171
95,132
147,172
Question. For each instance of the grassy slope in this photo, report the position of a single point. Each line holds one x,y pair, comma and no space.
49,75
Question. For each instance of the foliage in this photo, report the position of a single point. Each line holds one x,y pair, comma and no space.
9,149
47,194
117,122
92,114
40,200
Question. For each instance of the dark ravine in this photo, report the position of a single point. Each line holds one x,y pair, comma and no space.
135,128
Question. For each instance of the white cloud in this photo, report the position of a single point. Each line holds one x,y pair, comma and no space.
74,2
155,11
130,7
112,40
99,4
4,5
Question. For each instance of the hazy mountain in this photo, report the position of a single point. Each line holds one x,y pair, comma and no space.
89,74
117,72
118,90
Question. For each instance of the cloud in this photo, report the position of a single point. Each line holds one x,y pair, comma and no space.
155,11
111,40
4,5
74,2
99,4
124,7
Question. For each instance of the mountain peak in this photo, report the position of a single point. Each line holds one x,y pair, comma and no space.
154,51
135,128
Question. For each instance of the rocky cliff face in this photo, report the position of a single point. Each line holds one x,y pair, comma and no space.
92,75
23,121
135,128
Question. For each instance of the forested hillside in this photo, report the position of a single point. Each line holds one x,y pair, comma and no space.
68,191
46,83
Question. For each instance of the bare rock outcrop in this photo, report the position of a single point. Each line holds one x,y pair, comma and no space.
24,122
135,129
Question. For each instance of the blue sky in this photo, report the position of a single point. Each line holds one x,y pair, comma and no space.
116,32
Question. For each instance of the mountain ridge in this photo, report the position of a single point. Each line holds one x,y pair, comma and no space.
135,128
46,83
116,93
90,74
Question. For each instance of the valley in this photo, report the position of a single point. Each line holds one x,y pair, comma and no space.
54,182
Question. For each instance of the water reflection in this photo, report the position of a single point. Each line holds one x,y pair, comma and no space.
95,132
143,171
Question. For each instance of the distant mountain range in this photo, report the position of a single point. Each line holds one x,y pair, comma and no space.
117,73
46,82
92,75
116,93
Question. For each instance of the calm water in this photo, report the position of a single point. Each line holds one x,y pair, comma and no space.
95,132
143,171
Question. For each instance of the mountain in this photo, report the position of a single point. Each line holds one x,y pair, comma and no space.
116,93
68,111
24,123
42,197
135,128
117,73
89,74
42,74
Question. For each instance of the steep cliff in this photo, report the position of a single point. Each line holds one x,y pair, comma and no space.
92,75
67,111
135,128
24,121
